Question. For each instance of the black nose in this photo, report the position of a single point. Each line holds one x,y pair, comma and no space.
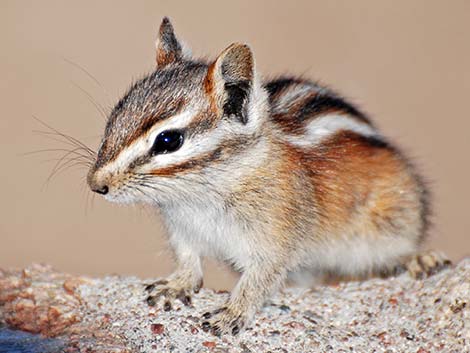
103,190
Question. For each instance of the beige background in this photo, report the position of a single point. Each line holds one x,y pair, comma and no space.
405,62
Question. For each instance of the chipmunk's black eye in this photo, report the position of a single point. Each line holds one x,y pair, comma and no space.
167,141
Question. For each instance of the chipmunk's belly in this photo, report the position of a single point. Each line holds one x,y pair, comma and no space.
351,257
211,232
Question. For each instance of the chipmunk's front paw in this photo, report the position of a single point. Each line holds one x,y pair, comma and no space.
170,290
224,320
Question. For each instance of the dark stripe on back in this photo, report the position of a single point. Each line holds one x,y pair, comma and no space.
322,104
345,137
276,86
376,142
295,103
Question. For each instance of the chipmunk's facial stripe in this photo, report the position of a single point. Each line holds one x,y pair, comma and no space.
159,116
139,150
202,146
194,165
202,122
225,150
112,145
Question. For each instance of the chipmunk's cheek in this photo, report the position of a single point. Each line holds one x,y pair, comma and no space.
112,196
120,195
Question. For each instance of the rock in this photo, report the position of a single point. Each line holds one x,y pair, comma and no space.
397,314
157,328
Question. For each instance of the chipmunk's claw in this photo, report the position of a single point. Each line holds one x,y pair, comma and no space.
150,287
223,321
206,326
209,314
170,292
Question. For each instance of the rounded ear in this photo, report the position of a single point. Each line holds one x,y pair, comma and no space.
169,49
230,79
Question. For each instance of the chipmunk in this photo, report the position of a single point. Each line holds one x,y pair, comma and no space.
278,178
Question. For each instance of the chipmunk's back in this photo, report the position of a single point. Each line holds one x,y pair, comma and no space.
366,194
308,112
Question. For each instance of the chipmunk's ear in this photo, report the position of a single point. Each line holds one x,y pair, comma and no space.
169,49
230,79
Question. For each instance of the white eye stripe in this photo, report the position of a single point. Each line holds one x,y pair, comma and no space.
179,121
190,148
143,144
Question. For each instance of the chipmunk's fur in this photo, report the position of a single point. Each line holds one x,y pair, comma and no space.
277,178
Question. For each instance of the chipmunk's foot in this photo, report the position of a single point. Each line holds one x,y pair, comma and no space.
224,320
170,290
426,264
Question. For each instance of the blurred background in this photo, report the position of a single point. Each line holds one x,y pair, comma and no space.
404,62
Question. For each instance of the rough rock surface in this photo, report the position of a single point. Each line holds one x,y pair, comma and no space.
110,315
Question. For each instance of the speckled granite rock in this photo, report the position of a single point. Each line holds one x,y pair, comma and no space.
110,315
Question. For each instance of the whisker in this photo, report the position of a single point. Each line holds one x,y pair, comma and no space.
87,192
86,72
63,162
71,152
68,164
52,136
205,182
68,138
85,163
93,101
159,188
145,181
145,194
74,151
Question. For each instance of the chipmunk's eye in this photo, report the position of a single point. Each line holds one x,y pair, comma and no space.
167,141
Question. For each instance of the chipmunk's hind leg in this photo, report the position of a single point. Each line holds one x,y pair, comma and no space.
425,264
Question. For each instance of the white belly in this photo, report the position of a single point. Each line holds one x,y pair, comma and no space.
210,232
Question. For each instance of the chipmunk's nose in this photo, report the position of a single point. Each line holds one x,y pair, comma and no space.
103,190
97,185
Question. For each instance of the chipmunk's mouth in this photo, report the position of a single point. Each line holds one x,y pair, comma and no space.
121,197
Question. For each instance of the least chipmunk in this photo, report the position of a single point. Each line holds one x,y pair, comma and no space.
282,179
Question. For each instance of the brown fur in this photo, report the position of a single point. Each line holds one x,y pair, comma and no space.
356,180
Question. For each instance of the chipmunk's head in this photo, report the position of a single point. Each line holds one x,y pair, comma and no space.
183,127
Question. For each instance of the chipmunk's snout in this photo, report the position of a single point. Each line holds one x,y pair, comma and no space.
96,185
